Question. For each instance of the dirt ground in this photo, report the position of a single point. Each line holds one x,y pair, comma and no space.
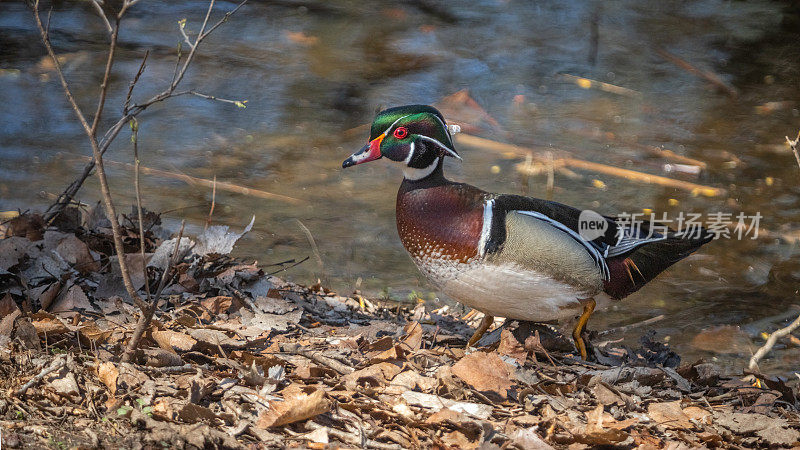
238,358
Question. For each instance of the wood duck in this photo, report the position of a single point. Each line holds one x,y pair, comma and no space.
507,255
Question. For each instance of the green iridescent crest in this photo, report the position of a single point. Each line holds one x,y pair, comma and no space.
422,122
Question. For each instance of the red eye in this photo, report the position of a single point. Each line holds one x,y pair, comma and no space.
400,132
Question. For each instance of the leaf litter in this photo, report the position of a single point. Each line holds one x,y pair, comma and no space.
236,358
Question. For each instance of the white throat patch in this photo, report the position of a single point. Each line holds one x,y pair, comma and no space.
414,174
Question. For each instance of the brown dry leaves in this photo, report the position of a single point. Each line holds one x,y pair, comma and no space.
299,403
236,359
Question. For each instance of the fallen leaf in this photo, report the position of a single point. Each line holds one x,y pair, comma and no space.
374,375
162,409
670,415
11,250
436,403
108,373
597,432
212,338
510,346
446,415
413,336
725,339
394,353
319,436
698,414
217,305
486,372
604,395
218,240
72,250
405,381
7,306
91,335
173,341
529,439
72,300
298,404
63,383
192,413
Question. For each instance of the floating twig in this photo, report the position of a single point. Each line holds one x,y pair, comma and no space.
519,151
222,185
705,74
587,83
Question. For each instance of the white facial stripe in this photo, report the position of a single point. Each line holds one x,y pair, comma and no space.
444,147
395,123
447,130
417,174
410,154
487,227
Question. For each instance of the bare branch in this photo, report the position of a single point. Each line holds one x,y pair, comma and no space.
102,14
96,152
182,29
147,313
137,188
112,47
64,85
793,144
239,103
111,134
794,325
135,80
771,342
57,363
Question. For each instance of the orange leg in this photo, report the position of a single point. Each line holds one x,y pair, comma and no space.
588,309
482,328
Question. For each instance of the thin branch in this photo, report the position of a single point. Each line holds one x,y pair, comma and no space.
64,85
239,103
101,102
793,144
195,181
111,134
137,188
213,202
794,325
147,313
135,80
57,364
177,63
102,14
111,212
182,29
771,342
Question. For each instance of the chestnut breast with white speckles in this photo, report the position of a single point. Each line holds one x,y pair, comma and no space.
440,225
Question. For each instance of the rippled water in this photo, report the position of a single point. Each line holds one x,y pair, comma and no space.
311,70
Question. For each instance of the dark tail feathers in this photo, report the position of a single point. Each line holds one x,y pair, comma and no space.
631,271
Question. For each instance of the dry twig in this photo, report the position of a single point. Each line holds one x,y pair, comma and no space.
150,309
771,342
796,323
296,349
55,365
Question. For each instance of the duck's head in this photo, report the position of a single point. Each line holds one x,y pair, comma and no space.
413,135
